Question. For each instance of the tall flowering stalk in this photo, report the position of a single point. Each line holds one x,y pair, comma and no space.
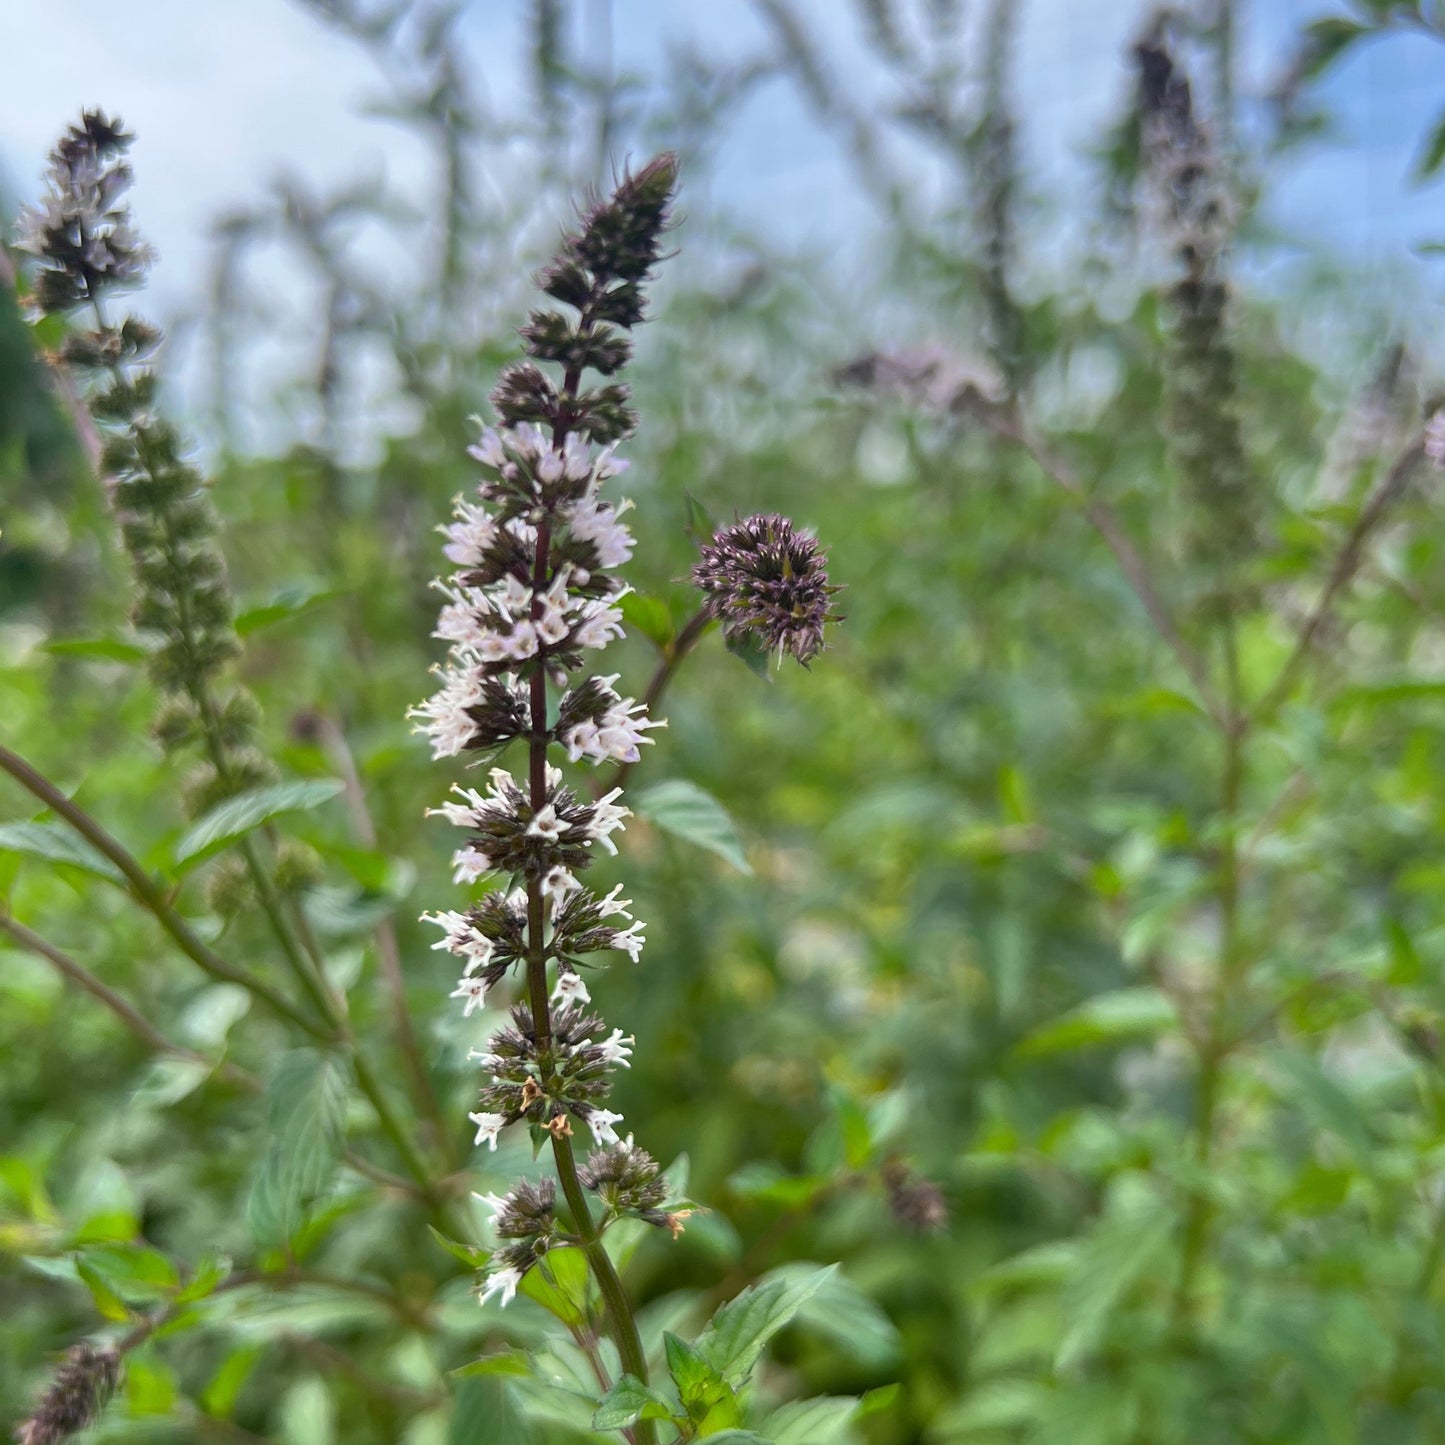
533,594
89,254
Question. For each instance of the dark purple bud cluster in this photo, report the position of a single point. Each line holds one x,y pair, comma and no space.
548,1080
628,1180
75,1398
765,579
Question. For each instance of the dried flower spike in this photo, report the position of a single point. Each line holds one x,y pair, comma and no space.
77,1395
764,578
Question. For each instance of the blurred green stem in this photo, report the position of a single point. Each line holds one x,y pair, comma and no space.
1006,422
388,952
1215,1048
1347,563
148,893
121,1007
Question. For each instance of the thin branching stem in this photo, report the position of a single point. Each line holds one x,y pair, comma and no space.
1347,563
148,893
1009,425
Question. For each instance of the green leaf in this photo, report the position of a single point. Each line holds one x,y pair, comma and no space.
150,1387
998,1405
1107,1018
510,1362
558,1282
107,1301
699,1386
306,1123
627,1402
57,843
649,616
739,1437
685,810
1324,1101
208,1274
751,653
1326,40
287,603
839,1310
468,1254
239,815
108,649
1433,155
811,1422
221,1394
698,522
1126,1244
736,1334
486,1413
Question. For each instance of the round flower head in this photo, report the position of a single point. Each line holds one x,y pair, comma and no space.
764,578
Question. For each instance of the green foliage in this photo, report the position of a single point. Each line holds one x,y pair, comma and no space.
1160,1012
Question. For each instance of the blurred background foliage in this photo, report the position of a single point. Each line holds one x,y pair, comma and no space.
1155,1001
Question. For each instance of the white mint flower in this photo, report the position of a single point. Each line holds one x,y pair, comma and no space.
503,1282
576,457
495,1202
600,1121
595,521
599,624
489,451
570,988
469,536
469,864
444,716
461,939
557,883
545,824
630,941
618,1048
607,819
614,907
474,990
522,640
488,1127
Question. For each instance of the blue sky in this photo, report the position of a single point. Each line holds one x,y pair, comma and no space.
225,96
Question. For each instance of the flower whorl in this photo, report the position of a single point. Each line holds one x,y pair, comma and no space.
532,595
762,577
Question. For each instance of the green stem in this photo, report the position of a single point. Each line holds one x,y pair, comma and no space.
149,895
1217,1044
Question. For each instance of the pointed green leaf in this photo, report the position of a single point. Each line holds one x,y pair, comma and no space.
699,1385
558,1282
510,1362
685,810
468,1254
57,844
649,616
306,1127
239,815
1121,1016
811,1422
737,1333
627,1402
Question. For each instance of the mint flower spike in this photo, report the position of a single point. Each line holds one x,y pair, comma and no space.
531,596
